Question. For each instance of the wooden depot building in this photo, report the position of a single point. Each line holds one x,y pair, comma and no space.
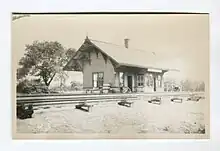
107,63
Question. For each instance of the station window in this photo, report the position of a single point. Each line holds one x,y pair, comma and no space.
140,80
97,79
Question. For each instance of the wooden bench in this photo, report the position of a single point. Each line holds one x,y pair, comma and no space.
194,98
155,100
177,100
126,103
96,91
106,88
89,103
84,105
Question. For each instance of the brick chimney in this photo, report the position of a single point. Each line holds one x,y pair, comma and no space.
126,40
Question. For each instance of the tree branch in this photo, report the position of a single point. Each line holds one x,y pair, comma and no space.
51,79
45,80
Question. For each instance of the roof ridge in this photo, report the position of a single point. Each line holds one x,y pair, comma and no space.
140,50
104,42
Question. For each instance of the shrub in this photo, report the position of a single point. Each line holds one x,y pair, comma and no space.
31,86
76,86
25,86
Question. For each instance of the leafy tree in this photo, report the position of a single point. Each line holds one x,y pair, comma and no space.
44,59
200,86
69,53
193,85
62,76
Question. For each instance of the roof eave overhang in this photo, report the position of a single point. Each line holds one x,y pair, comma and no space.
117,64
67,67
148,67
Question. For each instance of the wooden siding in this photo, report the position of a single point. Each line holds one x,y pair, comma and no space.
98,64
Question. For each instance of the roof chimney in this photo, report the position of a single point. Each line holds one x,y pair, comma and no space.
126,42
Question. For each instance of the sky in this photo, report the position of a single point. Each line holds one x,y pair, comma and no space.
179,41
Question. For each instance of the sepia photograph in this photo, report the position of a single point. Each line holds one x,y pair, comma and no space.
117,76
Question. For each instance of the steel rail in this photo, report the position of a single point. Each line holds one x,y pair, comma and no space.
74,99
84,94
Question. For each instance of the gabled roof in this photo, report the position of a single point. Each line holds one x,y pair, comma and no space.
128,57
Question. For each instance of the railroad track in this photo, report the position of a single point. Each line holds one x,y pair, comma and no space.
59,100
62,99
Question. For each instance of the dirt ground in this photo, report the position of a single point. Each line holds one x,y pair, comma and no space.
109,117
